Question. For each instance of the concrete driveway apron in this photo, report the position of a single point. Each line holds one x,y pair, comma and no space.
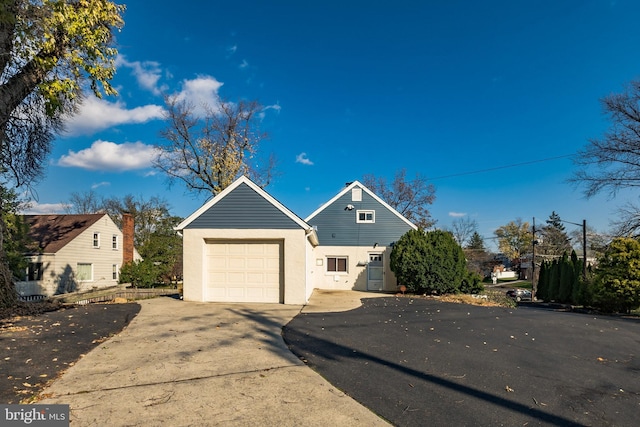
197,364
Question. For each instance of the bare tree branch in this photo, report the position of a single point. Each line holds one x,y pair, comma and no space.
612,162
409,198
208,153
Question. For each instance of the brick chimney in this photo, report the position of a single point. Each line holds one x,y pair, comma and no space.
127,238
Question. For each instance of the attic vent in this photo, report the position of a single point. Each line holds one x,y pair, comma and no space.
356,194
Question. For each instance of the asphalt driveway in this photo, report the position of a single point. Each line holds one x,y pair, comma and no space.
424,362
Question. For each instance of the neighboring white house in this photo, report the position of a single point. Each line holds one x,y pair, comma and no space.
75,252
245,246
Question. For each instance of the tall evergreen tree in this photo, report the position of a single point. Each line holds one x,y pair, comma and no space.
476,242
554,281
555,239
542,292
566,279
578,282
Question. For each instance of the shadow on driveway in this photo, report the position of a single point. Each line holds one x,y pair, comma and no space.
423,361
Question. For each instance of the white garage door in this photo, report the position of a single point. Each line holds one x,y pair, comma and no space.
244,271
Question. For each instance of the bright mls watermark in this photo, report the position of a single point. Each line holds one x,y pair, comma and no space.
34,415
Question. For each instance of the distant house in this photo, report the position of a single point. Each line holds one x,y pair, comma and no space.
75,252
245,246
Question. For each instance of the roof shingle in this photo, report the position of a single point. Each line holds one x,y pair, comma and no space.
50,233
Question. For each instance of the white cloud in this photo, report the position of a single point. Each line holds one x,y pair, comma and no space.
147,73
243,64
457,214
275,107
100,184
36,208
302,158
232,49
97,114
109,156
201,92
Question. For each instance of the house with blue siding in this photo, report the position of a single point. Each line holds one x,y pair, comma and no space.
356,231
245,246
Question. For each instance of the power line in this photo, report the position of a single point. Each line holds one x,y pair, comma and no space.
501,167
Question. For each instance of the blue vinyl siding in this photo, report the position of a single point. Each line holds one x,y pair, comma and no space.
243,208
337,226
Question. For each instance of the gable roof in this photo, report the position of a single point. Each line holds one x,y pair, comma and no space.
262,193
370,193
50,233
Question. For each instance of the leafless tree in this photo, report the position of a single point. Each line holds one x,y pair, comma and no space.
627,223
409,198
208,152
147,214
87,202
463,228
612,162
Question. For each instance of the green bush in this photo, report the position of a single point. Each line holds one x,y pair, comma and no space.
429,262
616,286
141,274
472,284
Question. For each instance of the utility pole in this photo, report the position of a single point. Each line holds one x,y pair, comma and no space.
533,262
584,250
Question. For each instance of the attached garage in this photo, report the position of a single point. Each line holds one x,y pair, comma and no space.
244,271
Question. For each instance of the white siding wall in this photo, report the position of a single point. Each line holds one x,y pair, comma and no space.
356,276
60,270
294,263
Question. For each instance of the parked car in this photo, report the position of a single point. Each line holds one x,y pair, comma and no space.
519,294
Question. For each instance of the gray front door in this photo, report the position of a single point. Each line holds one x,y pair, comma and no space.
375,272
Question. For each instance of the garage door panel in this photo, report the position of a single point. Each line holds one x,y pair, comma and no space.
244,271
236,263
272,264
256,279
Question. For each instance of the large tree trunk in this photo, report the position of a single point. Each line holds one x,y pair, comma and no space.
8,294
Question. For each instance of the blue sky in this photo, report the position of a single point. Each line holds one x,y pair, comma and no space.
441,88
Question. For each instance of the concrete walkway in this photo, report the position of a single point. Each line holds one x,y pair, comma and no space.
203,364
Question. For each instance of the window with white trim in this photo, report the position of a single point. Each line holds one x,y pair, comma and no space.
337,264
114,271
365,216
34,271
84,272
96,240
114,241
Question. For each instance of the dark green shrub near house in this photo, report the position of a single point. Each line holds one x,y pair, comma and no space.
430,262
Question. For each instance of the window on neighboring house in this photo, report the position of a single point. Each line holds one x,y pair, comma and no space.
84,272
114,271
337,264
366,216
96,240
34,271
114,241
